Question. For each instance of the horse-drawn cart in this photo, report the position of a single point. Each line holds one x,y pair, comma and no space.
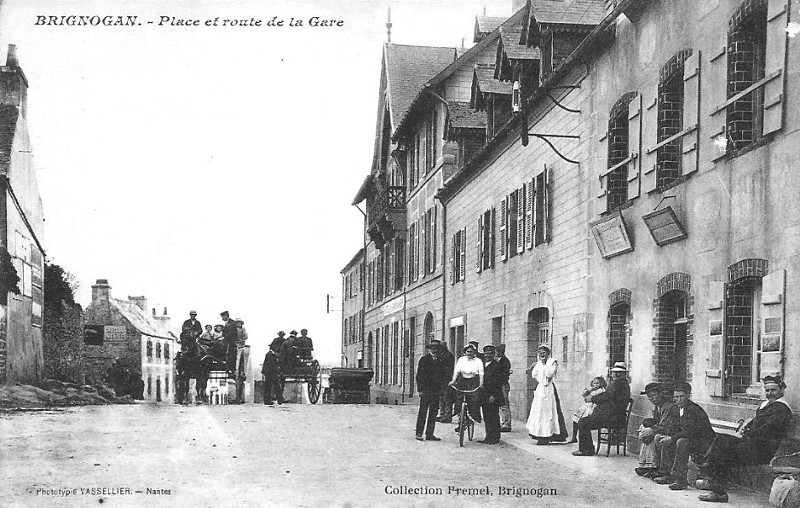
305,369
349,385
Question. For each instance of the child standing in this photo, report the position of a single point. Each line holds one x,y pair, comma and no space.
598,385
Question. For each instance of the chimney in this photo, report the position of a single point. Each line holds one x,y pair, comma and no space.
13,83
100,292
165,311
154,312
140,301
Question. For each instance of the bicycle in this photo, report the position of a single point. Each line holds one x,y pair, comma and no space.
465,423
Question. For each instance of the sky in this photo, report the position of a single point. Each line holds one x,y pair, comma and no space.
213,167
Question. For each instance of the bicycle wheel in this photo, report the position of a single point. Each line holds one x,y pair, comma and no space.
462,423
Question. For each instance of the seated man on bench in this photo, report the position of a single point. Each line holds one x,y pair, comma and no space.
756,443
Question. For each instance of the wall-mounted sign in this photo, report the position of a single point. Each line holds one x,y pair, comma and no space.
664,226
114,333
611,236
395,305
715,327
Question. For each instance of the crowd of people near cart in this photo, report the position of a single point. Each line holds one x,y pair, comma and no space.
286,356
679,429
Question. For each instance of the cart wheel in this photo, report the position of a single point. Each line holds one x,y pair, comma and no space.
314,382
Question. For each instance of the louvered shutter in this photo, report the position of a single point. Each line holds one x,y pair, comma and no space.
410,252
520,220
479,245
462,266
773,296
432,230
504,229
390,269
416,250
492,239
453,254
529,212
423,148
649,138
777,20
716,84
423,226
546,222
601,164
691,114
634,145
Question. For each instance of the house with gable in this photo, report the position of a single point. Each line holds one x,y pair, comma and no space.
141,341
21,233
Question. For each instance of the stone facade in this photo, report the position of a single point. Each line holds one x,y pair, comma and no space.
21,233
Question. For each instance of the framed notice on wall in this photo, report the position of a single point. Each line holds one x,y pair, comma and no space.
611,236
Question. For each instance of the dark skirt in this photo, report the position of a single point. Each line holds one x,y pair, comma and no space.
473,399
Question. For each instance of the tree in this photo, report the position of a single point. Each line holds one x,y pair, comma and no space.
63,326
59,288
9,280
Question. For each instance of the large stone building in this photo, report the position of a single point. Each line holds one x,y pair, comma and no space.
633,200
126,330
353,313
21,232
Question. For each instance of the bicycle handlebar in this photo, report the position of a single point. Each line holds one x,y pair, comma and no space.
466,391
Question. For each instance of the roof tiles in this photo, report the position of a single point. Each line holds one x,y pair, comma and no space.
410,67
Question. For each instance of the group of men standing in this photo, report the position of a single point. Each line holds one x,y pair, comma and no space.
681,429
283,356
435,371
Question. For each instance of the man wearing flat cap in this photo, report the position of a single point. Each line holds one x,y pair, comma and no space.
756,443
611,409
429,385
649,456
688,433
493,380
230,334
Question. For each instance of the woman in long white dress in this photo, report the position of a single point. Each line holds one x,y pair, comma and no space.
545,422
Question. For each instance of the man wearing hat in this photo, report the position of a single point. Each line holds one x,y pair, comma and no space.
278,341
505,369
193,325
429,385
230,334
289,351
688,433
648,455
241,333
493,381
611,409
756,443
446,400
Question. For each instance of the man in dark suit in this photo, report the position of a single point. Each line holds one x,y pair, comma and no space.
494,378
193,325
278,341
610,411
688,432
504,365
756,443
272,377
445,399
230,334
429,386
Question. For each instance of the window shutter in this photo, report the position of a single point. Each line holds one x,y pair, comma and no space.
691,113
777,20
773,295
546,223
634,145
434,240
410,252
504,229
521,201
423,226
716,84
491,239
529,212
479,245
453,254
649,139
463,253
390,270
601,163
416,250
716,358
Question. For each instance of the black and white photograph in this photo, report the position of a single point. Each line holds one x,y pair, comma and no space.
363,253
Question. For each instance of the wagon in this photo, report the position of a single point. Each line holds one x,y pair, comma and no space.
350,386
304,368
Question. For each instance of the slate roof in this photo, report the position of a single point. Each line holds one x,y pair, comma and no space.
462,116
138,318
509,39
486,24
407,69
485,78
359,255
573,12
